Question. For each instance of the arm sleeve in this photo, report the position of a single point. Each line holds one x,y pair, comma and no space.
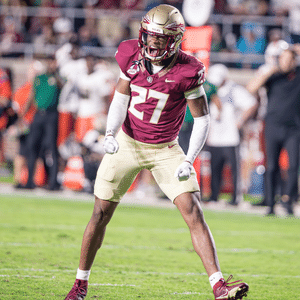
117,113
198,137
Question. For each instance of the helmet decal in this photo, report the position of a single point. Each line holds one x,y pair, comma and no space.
175,26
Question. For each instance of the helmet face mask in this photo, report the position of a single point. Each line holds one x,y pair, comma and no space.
156,54
166,24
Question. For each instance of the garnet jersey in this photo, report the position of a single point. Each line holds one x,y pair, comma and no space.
158,102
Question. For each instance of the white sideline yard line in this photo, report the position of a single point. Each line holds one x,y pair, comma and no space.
141,247
18,275
113,284
155,230
190,293
50,272
44,226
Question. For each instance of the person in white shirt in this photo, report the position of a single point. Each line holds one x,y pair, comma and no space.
94,89
230,108
70,65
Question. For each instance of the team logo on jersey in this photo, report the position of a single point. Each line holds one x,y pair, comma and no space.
135,67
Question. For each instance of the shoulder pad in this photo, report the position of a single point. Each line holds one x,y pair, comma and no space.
126,53
193,68
192,71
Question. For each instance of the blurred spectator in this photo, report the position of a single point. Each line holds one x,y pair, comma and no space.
278,8
9,38
282,122
5,96
104,4
44,16
152,3
257,7
46,38
86,38
294,20
95,88
251,41
218,43
248,7
63,28
175,3
17,10
126,34
110,30
230,108
7,113
68,3
291,9
275,46
5,100
236,7
133,4
43,129
221,7
21,128
70,65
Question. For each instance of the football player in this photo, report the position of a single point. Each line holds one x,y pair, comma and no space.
157,81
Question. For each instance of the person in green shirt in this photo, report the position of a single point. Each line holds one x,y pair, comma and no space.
43,130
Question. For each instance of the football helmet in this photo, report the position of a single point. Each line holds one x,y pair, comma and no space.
161,21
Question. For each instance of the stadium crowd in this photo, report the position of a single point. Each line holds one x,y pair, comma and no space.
51,26
79,85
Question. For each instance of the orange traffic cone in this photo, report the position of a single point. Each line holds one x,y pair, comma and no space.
40,174
74,174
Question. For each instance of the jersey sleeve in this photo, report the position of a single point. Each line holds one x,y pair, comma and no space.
193,75
125,55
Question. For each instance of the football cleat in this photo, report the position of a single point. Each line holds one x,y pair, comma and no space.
224,290
78,291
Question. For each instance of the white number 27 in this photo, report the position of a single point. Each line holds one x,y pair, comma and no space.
142,95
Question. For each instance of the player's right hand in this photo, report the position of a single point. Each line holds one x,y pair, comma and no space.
110,145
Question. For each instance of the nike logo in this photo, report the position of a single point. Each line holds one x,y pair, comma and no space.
171,146
168,80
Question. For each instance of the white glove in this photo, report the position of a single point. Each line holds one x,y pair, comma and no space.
110,145
183,172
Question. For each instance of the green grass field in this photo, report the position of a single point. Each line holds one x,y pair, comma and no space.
147,252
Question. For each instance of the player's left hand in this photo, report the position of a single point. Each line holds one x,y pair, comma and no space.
183,172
